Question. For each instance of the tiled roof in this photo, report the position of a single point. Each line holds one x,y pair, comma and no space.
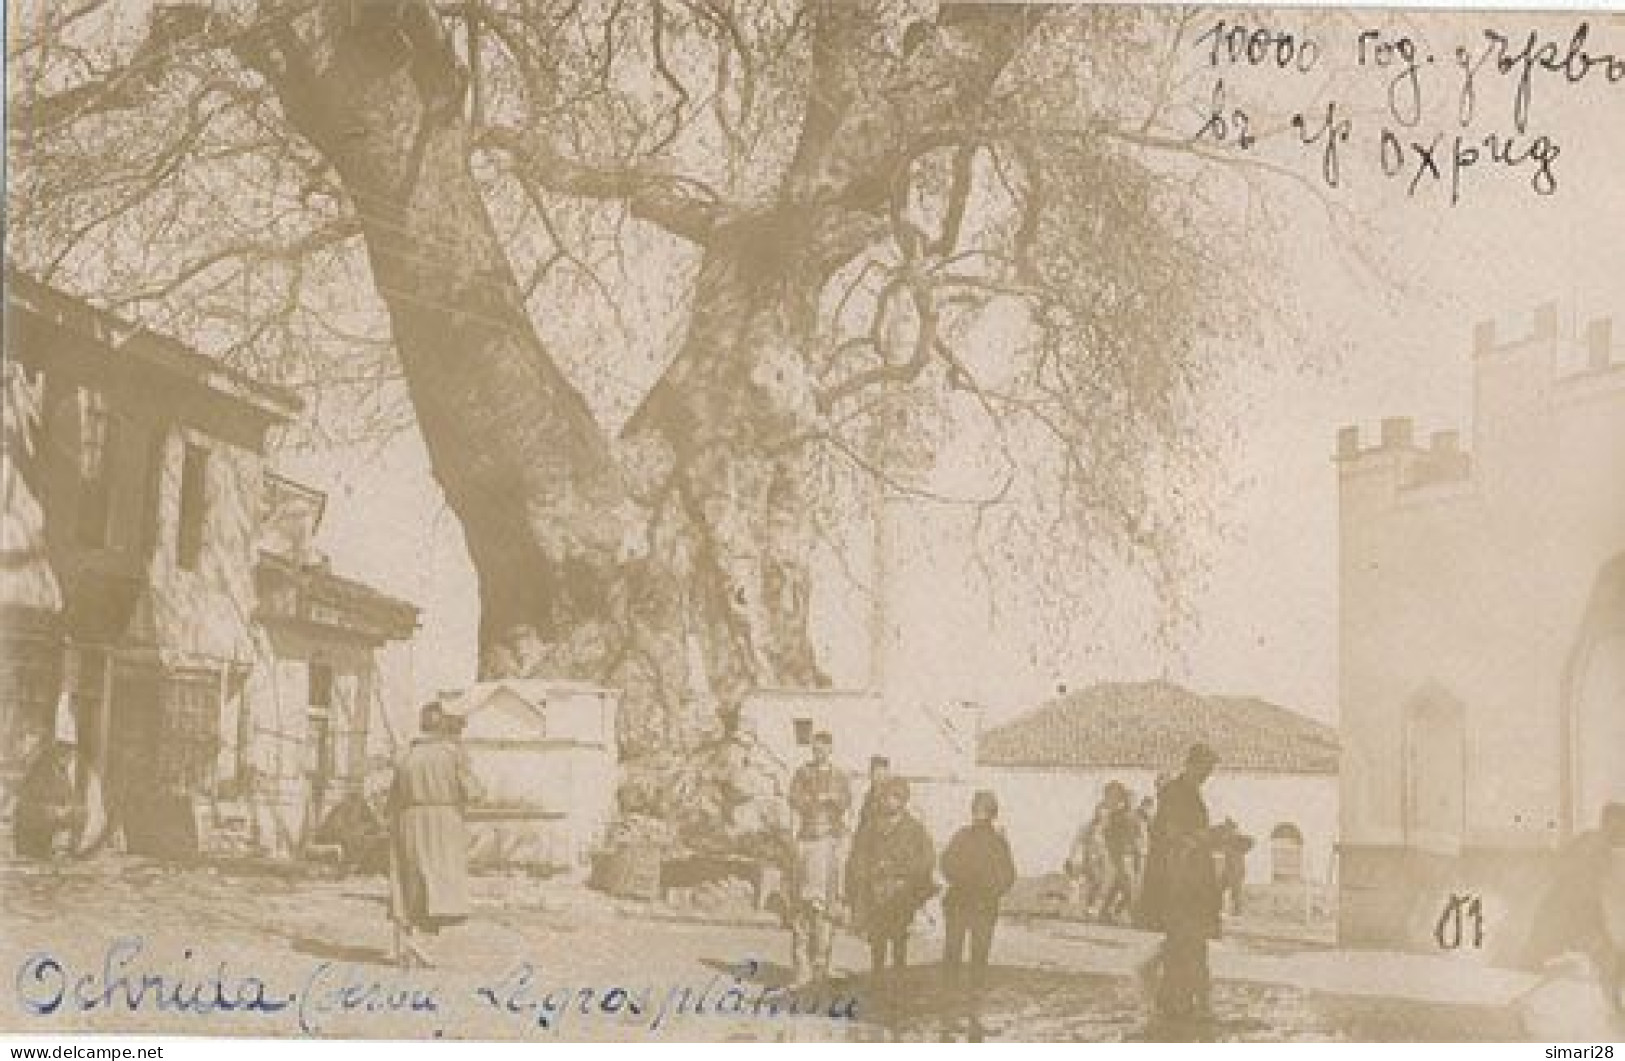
1151,724
118,337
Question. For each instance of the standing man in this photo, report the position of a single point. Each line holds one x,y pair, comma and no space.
1144,811
890,876
1181,897
820,797
1119,837
979,870
1086,861
434,782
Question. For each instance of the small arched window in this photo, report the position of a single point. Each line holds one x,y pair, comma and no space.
1286,853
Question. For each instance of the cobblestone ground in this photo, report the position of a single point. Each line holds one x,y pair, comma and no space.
545,960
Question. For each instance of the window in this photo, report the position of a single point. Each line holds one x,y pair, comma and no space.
96,446
1286,853
189,748
322,725
804,732
321,685
194,501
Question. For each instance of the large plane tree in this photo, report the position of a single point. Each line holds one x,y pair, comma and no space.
662,283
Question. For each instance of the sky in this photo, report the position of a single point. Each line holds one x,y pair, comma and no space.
1356,346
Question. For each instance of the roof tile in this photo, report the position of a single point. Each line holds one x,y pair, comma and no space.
1151,724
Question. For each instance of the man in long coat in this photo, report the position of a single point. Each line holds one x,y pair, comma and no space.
1181,892
434,782
890,875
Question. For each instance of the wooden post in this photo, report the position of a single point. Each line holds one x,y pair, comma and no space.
97,818
220,709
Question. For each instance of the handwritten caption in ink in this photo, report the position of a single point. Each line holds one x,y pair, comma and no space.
312,1001
1434,123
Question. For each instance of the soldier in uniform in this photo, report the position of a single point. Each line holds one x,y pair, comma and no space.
820,797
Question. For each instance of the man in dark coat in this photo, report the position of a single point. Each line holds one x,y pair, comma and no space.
433,784
1181,893
360,834
979,870
890,875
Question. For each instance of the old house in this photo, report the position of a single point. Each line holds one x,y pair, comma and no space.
1483,635
1277,772
135,494
302,729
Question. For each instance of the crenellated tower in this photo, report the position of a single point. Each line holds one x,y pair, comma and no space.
1472,706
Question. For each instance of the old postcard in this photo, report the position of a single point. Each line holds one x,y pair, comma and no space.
781,520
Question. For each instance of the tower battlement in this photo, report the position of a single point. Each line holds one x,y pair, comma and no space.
1441,459
1522,375
1575,349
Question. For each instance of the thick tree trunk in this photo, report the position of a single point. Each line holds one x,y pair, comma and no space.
727,420
580,575
686,581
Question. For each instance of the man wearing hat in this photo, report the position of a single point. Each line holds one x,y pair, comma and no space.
890,875
1181,891
433,784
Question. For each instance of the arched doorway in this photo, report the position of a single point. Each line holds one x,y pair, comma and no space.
1595,702
1435,771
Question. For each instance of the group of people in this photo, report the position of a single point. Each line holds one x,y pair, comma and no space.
1162,858
885,871
1105,866
1165,863
1159,861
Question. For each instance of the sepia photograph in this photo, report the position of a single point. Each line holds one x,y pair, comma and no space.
812,521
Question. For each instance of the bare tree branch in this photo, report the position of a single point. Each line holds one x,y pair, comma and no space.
681,205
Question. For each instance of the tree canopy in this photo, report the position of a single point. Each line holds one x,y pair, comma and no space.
672,288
